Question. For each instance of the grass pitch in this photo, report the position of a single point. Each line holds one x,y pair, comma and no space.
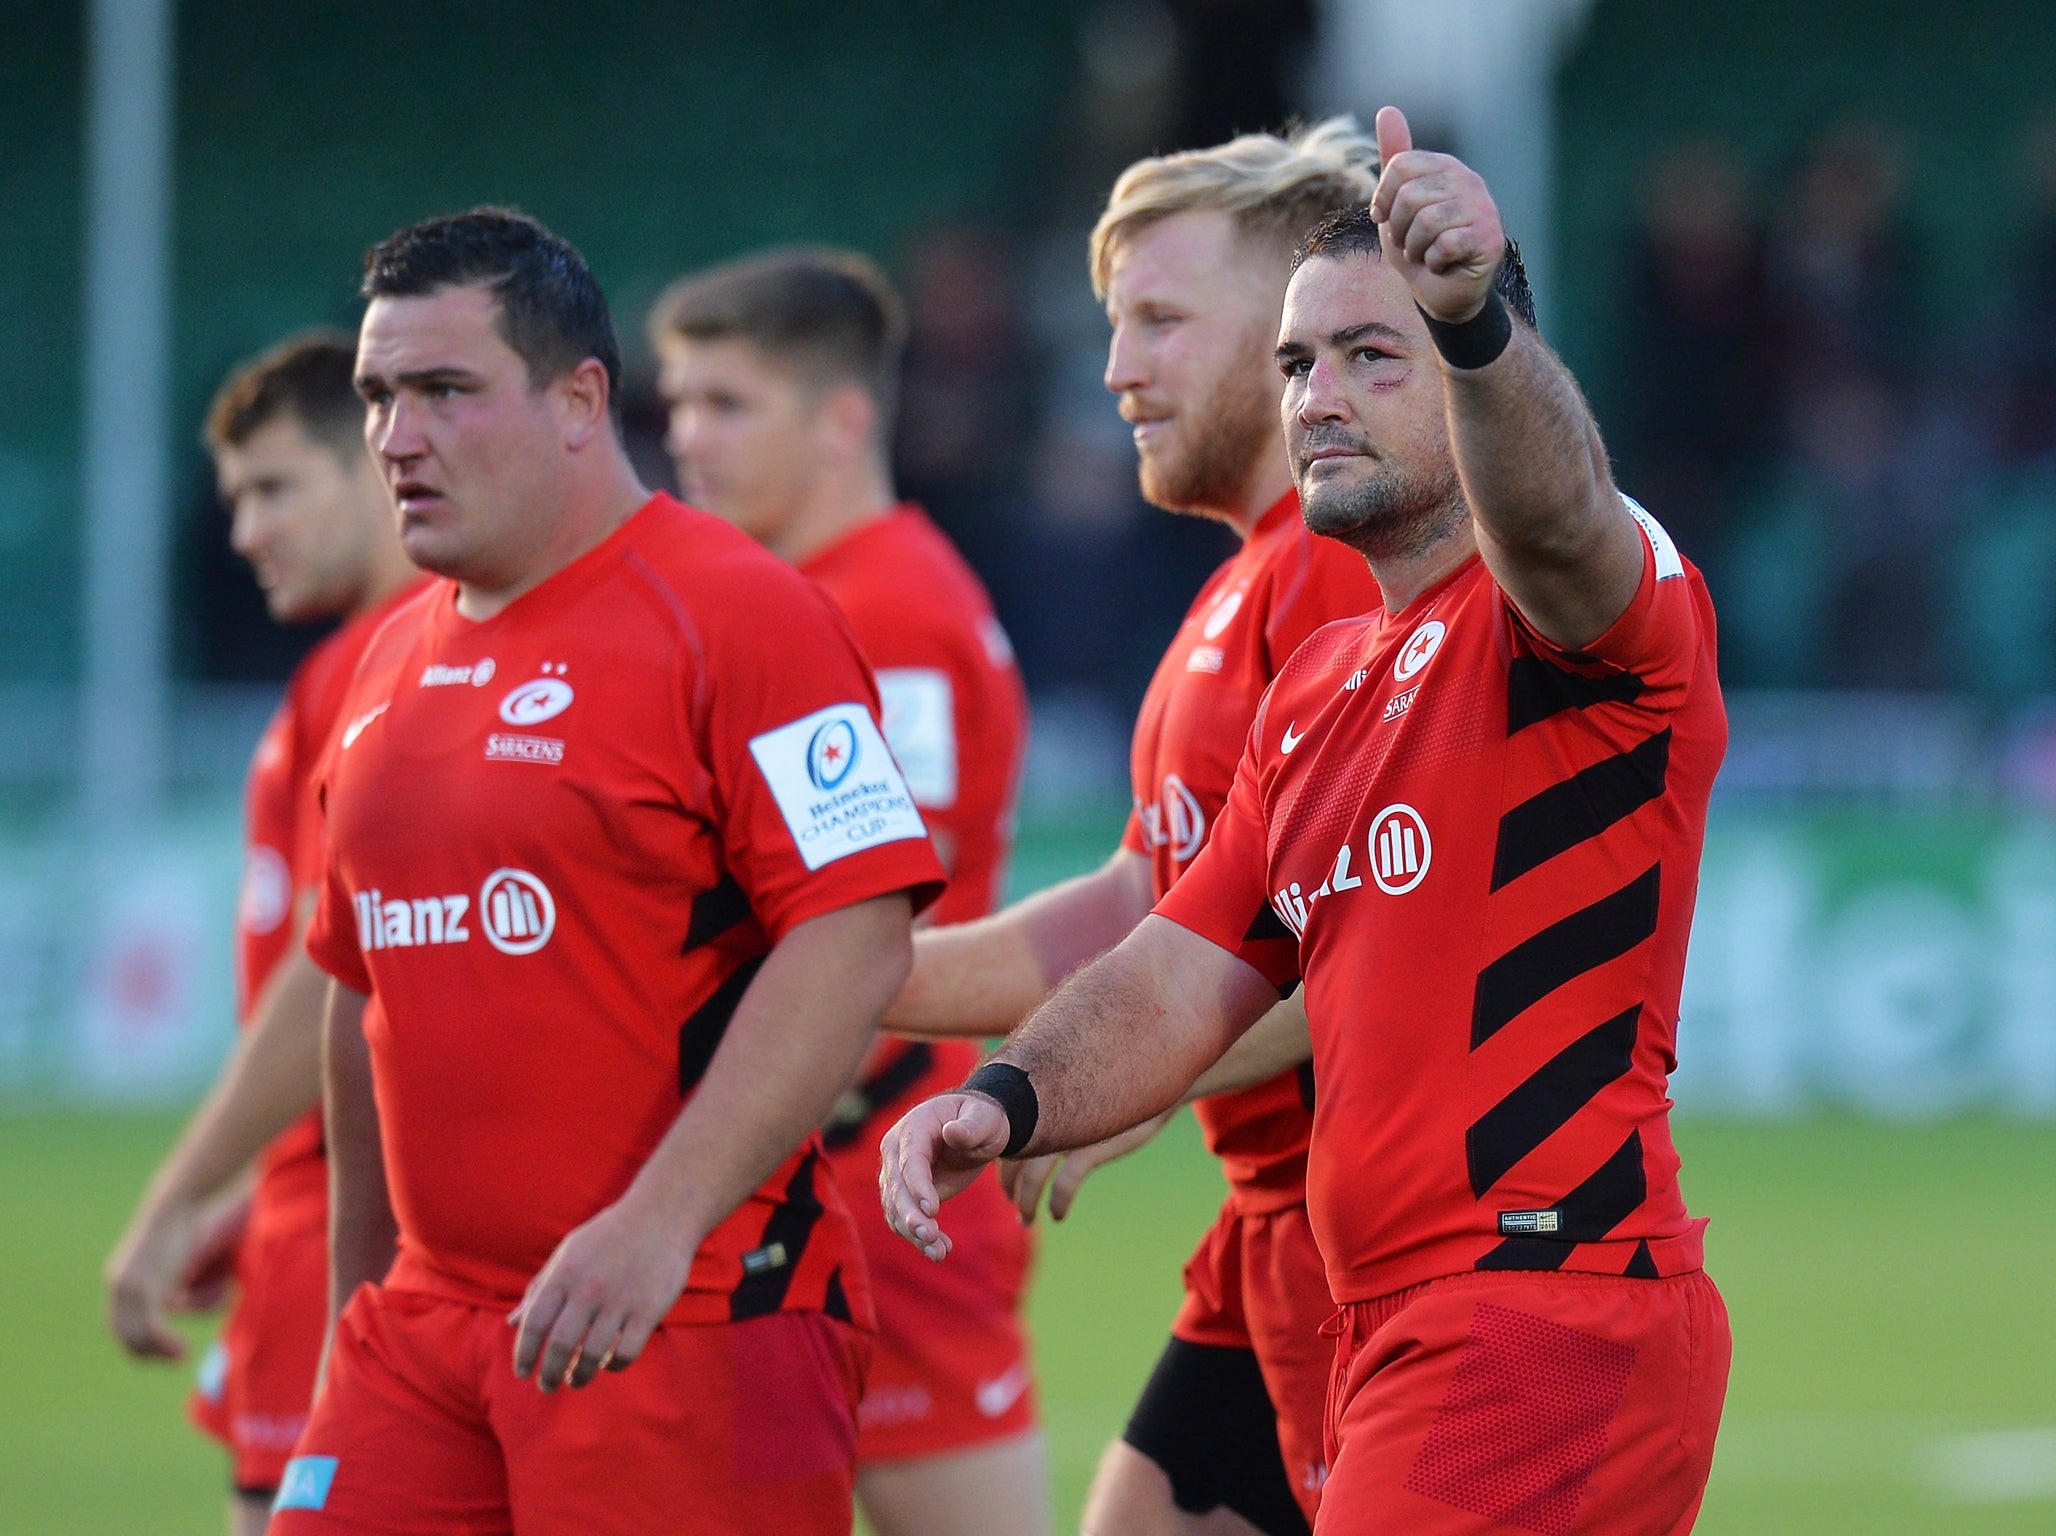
1895,1369
1895,1365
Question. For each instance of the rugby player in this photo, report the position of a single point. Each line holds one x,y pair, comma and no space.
780,371
307,510
1191,257
621,876
1471,824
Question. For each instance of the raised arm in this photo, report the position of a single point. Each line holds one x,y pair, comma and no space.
271,1078
982,978
1550,524
1119,1042
794,1042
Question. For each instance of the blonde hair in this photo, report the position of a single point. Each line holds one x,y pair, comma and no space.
1274,188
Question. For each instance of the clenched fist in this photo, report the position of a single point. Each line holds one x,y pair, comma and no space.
1441,229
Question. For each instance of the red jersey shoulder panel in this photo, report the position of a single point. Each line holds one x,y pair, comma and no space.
954,710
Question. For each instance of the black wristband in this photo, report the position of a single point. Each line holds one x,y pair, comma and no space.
1474,342
1016,1095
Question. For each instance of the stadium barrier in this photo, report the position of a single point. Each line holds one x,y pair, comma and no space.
1887,962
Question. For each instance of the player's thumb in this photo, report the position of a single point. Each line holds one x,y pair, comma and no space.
980,1128
1394,137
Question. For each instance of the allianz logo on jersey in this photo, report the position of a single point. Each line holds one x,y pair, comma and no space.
515,911
1175,821
478,674
1396,858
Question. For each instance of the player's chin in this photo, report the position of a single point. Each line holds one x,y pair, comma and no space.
435,549
1332,505
289,605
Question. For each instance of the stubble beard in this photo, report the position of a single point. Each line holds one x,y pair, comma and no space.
1224,440
1395,514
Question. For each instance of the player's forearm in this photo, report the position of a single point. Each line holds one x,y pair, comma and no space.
361,1231
792,1047
982,978
271,1078
1125,1037
1275,1043
1527,450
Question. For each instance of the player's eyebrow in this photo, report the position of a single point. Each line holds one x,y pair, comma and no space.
1370,328
1298,351
417,378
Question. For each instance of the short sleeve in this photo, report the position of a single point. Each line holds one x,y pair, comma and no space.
1131,833
334,939
919,709
1222,895
816,813
1660,634
317,716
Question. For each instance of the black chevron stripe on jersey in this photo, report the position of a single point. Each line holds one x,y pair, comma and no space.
762,1290
714,911
835,1301
1537,689
699,1035
1566,949
1590,1211
1544,1104
1581,807
856,1107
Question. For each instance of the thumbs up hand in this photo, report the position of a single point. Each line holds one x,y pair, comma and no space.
1439,226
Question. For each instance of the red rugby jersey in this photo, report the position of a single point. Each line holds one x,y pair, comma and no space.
1253,613
561,842
282,857
954,710
956,717
1480,851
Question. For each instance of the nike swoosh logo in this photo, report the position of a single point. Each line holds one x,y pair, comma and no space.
1291,740
996,1396
356,727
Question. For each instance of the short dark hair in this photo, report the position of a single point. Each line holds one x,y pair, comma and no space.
551,310
1353,232
308,378
829,313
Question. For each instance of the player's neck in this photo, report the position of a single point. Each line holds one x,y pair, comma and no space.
391,573
836,509
587,517
1272,480
1403,578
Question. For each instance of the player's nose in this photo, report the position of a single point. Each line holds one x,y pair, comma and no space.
1125,367
680,431
1321,394
245,531
399,436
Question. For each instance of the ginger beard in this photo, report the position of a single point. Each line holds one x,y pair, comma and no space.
1221,440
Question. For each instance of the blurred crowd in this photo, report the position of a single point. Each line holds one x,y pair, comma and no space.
1860,454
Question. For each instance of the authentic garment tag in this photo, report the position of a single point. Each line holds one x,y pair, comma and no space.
1530,1223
